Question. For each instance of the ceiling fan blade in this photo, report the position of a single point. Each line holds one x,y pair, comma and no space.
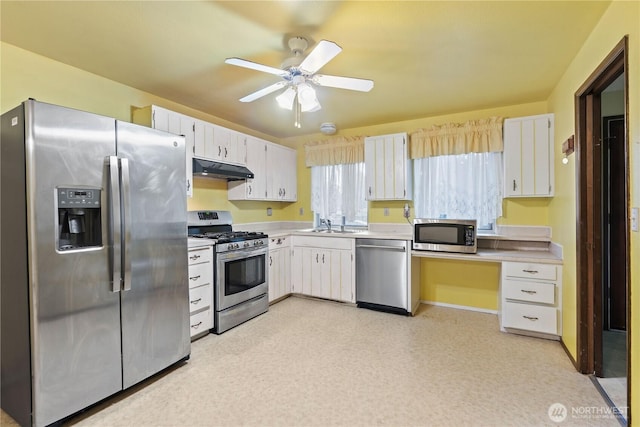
262,92
255,66
362,85
324,52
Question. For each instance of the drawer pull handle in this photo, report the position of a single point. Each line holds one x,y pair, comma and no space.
197,325
195,301
194,277
531,271
526,291
194,257
530,318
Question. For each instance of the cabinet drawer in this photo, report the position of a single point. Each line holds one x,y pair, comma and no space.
197,256
200,274
200,298
201,322
522,290
529,317
278,242
530,270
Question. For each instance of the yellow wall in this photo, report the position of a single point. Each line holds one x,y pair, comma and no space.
620,18
24,75
515,211
470,284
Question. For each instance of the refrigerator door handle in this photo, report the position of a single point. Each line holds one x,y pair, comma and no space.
115,255
126,212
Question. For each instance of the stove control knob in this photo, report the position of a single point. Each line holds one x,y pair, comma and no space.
246,244
236,246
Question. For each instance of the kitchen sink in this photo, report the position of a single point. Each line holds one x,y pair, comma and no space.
334,231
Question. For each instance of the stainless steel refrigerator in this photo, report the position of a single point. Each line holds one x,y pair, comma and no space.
94,292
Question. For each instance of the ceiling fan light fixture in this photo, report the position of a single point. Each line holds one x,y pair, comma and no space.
286,98
307,98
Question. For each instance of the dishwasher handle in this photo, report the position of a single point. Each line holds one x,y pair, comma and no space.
386,248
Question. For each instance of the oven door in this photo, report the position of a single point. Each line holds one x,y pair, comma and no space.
240,276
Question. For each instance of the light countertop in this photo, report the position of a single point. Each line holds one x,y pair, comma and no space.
535,246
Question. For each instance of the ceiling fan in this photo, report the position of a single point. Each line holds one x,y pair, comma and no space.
299,77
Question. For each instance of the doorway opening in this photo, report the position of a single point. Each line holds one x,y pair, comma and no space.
602,174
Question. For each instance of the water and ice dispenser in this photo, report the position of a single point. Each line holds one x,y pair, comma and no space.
79,218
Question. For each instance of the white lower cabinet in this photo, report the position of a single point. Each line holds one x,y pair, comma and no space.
201,290
279,267
323,267
531,299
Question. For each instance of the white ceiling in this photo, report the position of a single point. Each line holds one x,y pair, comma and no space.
427,58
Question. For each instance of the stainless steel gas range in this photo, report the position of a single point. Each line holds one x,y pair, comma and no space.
240,268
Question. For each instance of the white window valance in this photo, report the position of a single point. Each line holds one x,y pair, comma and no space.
335,151
474,136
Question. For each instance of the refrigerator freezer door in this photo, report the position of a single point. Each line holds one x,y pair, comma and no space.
155,311
75,317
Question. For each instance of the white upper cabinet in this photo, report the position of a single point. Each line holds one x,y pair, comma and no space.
388,172
528,156
274,169
176,123
254,188
282,174
214,142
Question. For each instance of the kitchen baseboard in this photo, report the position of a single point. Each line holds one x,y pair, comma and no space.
460,307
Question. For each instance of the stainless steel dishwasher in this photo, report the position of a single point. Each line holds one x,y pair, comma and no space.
386,277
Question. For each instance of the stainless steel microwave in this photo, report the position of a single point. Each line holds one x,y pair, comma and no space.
445,235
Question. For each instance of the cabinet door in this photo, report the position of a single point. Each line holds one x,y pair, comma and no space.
528,156
187,127
370,167
274,274
290,175
342,286
160,118
308,268
512,157
184,125
274,174
256,188
321,273
241,149
203,140
297,265
387,167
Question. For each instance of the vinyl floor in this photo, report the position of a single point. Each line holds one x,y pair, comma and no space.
317,363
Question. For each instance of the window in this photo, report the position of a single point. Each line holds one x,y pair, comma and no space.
339,190
464,186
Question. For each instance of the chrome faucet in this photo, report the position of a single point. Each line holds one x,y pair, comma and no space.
326,222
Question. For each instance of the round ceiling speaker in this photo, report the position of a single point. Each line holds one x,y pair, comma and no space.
328,128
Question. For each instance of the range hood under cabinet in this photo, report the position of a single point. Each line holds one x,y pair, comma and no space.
218,170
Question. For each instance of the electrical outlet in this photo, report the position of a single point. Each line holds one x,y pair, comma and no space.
269,212
301,211
386,211
634,219
407,211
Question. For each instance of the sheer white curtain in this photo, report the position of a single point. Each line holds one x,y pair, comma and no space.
339,190
464,186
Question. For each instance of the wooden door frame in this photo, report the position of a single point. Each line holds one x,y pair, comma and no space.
588,207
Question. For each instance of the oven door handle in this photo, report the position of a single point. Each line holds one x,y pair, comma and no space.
245,253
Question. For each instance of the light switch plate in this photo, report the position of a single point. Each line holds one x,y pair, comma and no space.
634,219
386,211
